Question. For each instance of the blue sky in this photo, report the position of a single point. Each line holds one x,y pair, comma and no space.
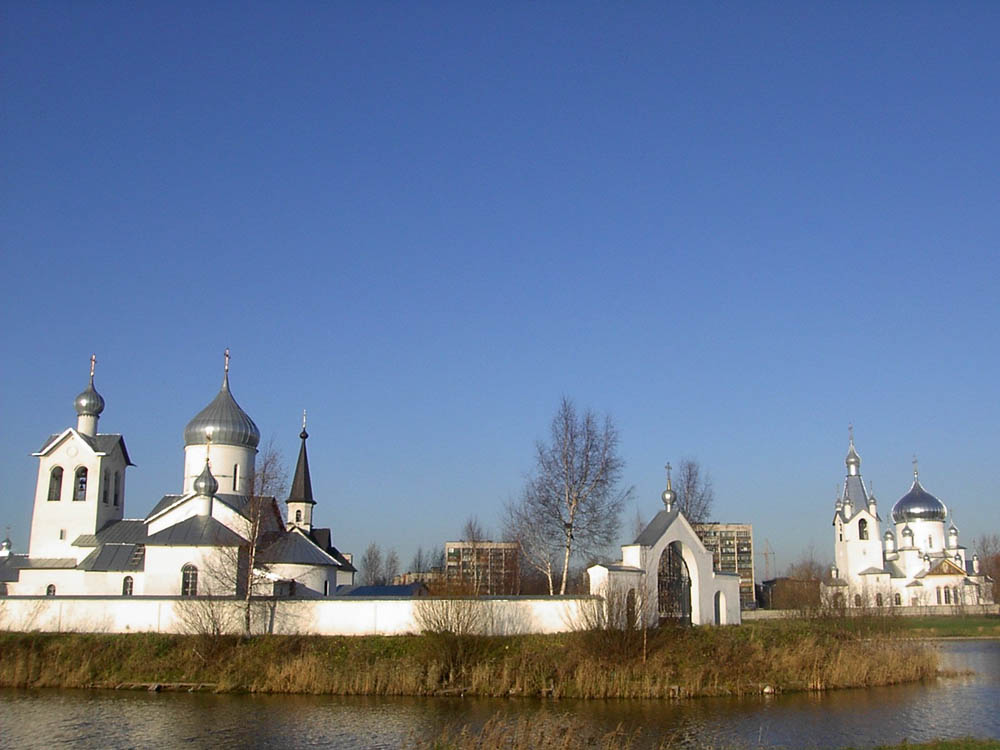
734,228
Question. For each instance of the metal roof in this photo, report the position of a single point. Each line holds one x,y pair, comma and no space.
125,531
403,591
294,548
228,423
918,505
854,490
197,531
102,443
115,557
302,491
656,528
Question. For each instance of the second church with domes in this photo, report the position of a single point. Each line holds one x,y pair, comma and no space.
916,562
193,543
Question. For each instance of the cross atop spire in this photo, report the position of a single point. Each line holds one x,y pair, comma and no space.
668,467
227,359
850,432
93,363
916,469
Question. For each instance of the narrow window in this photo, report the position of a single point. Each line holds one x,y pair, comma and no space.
104,488
939,595
117,487
955,598
862,529
189,580
50,590
236,476
80,485
62,534
326,588
930,542
298,516
947,595
857,600
127,586
55,484
897,599
878,600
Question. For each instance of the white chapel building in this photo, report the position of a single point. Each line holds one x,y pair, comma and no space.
915,562
82,543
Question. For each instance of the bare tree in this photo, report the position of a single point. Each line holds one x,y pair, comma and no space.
987,546
539,541
390,568
573,498
372,568
472,532
807,567
419,563
237,569
695,494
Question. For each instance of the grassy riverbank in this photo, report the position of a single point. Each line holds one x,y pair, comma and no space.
754,658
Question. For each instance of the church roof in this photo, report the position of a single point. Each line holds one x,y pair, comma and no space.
115,557
854,490
236,502
197,531
125,531
322,539
302,491
100,443
871,572
296,549
10,565
224,420
656,528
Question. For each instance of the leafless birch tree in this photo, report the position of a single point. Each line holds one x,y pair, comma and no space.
695,494
573,499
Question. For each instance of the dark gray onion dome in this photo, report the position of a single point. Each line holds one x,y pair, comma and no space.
224,420
89,403
918,505
205,484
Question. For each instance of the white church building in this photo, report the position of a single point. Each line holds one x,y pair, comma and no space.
192,543
916,562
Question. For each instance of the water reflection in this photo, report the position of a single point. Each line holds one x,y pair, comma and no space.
963,705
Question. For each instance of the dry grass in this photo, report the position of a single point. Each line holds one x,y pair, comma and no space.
784,656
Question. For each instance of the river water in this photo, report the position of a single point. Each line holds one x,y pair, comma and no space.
968,704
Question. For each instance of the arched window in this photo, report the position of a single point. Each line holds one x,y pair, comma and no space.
55,484
80,485
104,488
938,594
947,595
878,600
50,590
857,600
117,493
236,476
189,580
298,516
955,596
127,586
862,529
897,599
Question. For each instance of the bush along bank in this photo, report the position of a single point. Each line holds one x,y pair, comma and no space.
661,663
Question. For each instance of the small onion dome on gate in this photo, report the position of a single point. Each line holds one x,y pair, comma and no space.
918,505
206,485
222,421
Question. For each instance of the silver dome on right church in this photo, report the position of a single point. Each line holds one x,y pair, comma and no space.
918,505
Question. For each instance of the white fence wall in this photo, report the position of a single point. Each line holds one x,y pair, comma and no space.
346,616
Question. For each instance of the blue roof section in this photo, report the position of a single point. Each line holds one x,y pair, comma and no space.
197,531
656,528
406,591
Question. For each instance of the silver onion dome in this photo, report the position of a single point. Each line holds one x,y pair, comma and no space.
223,421
853,459
205,484
918,505
89,403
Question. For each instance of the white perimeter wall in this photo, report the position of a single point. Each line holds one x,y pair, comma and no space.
345,616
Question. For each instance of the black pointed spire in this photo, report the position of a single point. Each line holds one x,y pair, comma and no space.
302,491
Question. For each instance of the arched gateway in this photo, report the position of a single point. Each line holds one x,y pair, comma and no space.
672,573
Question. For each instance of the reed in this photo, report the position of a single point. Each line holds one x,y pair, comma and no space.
675,662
